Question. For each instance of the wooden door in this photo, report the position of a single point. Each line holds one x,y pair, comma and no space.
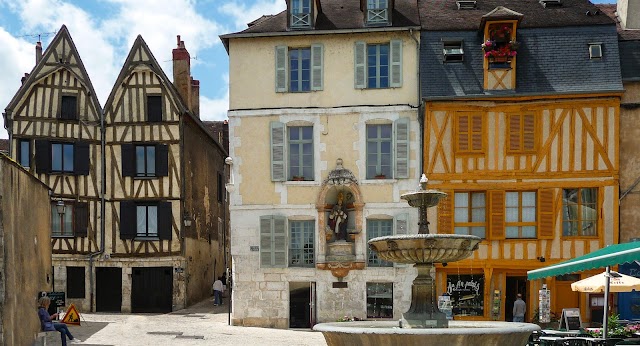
108,289
152,289
565,297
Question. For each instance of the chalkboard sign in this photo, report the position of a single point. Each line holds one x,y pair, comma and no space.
570,319
57,301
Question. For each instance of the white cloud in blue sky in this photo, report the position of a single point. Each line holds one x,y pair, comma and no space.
105,30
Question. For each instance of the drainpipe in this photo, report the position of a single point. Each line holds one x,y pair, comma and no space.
420,109
103,178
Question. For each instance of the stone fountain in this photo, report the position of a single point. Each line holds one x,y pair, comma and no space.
423,323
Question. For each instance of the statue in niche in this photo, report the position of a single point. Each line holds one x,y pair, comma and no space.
339,216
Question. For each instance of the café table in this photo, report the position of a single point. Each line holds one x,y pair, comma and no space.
549,340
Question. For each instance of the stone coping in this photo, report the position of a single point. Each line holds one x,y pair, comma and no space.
426,236
455,328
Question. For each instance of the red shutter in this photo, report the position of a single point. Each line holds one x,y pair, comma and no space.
496,214
546,213
445,214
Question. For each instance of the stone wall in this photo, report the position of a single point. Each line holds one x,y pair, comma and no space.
25,251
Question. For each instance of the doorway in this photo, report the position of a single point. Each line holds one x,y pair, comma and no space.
515,285
152,289
108,289
302,304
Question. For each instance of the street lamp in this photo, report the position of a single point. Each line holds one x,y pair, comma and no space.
60,207
187,220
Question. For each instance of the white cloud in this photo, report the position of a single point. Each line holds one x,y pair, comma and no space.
216,108
243,14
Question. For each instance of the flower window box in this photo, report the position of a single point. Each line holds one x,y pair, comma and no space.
500,47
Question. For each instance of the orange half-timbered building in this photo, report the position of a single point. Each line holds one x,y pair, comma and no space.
527,150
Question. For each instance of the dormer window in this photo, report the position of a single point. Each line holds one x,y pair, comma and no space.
466,4
550,3
452,50
595,50
300,13
377,12
501,46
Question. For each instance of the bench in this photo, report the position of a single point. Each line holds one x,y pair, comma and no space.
41,339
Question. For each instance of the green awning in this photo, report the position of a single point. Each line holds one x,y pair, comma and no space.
608,256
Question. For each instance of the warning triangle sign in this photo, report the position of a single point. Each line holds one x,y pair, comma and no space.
72,316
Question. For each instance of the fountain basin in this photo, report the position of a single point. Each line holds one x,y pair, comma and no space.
424,248
423,198
462,333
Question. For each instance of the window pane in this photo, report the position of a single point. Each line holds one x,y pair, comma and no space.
461,200
478,215
511,232
478,199
461,215
55,220
511,199
25,155
528,231
478,231
379,300
68,220
140,160
67,157
307,132
461,230
528,199
378,228
56,157
511,215
529,214
151,160
152,220
141,219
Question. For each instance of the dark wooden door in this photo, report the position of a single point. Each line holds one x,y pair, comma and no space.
152,289
108,289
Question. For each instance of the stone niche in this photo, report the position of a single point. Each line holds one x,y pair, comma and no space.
339,206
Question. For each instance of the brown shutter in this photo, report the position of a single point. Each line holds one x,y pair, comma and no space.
445,214
514,132
81,160
162,160
81,219
528,132
43,156
463,132
128,221
128,160
496,214
165,221
546,213
476,132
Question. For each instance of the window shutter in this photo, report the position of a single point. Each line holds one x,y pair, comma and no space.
165,220
162,160
81,210
277,151
360,65
528,132
402,148
69,108
476,132
317,61
127,220
514,132
128,160
546,213
400,224
266,249
281,69
496,216
81,160
43,156
463,132
279,241
154,108
396,64
445,214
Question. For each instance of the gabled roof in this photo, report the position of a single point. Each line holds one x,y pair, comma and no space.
140,54
443,15
625,35
60,54
629,46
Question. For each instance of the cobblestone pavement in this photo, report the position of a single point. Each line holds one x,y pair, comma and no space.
201,324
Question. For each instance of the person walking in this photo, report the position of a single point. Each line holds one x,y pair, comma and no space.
218,288
46,323
519,309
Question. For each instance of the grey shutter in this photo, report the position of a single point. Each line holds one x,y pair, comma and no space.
81,216
278,172
165,220
128,222
360,65
279,241
43,156
128,160
400,228
401,147
162,160
281,69
81,161
317,61
396,64
266,231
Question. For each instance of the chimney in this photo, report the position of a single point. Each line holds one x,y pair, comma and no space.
195,97
629,14
182,72
38,52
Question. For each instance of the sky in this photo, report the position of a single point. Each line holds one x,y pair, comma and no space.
104,31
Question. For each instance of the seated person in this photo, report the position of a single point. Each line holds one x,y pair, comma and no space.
46,323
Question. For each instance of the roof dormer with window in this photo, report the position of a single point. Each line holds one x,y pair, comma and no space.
302,14
500,48
377,12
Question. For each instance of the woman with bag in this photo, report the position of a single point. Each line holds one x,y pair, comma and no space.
47,324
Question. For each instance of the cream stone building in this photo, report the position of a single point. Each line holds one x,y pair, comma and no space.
323,110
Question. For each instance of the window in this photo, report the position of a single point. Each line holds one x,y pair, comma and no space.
579,212
469,136
300,13
145,160
69,108
521,133
470,213
152,220
299,69
378,228
379,151
62,223
24,152
154,108
62,157
520,218
273,241
291,156
301,244
452,50
377,12
378,65
75,282
595,50
147,220
379,300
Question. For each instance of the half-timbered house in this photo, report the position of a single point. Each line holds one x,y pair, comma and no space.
138,202
521,122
